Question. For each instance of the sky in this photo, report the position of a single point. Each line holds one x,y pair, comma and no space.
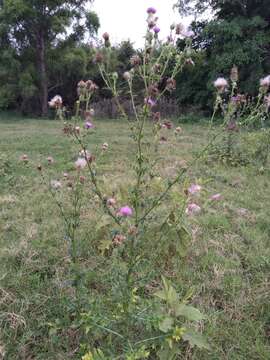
126,19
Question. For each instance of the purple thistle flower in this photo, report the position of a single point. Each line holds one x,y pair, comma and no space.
151,10
88,125
156,29
125,211
150,102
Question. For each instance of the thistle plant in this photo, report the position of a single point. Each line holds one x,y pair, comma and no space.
153,206
241,114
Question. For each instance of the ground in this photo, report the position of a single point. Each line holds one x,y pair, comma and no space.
227,265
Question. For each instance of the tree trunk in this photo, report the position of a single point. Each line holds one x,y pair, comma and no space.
41,57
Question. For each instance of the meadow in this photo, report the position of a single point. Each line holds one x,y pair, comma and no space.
226,265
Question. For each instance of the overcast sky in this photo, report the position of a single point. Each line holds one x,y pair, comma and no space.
126,19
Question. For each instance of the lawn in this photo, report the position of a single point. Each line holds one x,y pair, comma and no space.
227,265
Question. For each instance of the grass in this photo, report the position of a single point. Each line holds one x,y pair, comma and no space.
227,265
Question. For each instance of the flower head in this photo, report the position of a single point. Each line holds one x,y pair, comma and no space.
111,202
194,189
178,130
105,146
150,102
151,10
127,76
265,82
125,211
56,102
80,163
221,83
50,160
135,60
56,184
106,36
193,209
88,125
24,158
156,29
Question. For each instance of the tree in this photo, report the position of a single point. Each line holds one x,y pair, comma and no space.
237,33
31,29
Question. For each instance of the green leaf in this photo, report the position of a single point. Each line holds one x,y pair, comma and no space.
196,339
189,312
166,324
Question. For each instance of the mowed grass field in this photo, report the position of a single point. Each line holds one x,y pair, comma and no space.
227,266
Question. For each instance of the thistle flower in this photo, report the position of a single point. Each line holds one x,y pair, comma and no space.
179,28
80,163
194,189
151,10
85,154
56,102
221,84
189,61
50,160
56,184
150,102
216,197
265,82
156,29
193,209
188,33
171,84
88,125
105,146
106,36
127,76
82,179
135,60
77,129
24,158
118,239
178,130
98,58
167,124
111,202
125,211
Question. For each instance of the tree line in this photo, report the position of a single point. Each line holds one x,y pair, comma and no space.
48,46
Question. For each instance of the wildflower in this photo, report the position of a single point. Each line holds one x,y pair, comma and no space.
188,33
105,146
85,154
171,84
156,29
106,36
179,29
111,202
82,179
92,112
127,76
189,61
80,163
194,189
150,102
24,158
50,160
125,211
56,102
178,130
99,58
65,175
221,84
88,125
216,197
167,124
151,10
265,82
153,90
77,129
118,239
193,209
56,184
135,60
